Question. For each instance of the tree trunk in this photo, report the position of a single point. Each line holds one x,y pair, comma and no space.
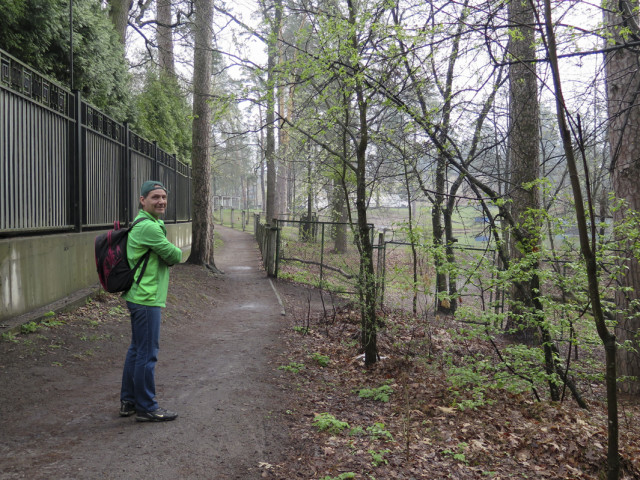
451,258
339,215
414,253
590,260
442,302
524,150
119,15
367,281
623,100
443,255
164,36
270,153
282,174
202,230
340,193
261,161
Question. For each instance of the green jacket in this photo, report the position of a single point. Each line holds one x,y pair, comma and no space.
151,234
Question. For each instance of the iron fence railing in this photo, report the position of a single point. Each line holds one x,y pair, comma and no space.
64,165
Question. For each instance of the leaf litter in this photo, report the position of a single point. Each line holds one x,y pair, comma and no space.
512,436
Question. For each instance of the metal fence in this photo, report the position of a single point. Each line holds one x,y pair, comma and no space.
307,252
323,254
66,166
235,218
396,273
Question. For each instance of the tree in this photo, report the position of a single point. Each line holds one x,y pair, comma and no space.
162,114
443,124
588,250
119,15
37,32
337,106
164,37
202,233
270,98
623,100
524,148
442,234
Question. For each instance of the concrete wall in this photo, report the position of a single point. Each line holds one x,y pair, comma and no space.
36,271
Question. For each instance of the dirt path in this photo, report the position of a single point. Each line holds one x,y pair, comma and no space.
59,386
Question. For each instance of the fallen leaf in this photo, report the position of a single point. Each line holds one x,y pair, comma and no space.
447,409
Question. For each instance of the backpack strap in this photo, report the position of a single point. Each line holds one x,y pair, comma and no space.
144,257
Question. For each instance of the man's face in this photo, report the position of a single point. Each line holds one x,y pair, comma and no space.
155,202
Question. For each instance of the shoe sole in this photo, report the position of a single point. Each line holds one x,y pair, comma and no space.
155,420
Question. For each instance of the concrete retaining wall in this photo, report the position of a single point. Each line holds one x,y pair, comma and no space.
36,271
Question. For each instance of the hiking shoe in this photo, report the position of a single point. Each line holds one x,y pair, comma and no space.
127,408
159,415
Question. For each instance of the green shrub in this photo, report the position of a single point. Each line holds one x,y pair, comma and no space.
377,458
322,360
380,394
29,327
342,476
325,422
378,430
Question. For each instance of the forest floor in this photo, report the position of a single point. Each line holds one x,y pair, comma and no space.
400,419
266,395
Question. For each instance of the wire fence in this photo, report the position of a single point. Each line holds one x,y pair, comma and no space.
323,254
405,279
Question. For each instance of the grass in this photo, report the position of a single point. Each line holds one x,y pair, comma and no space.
293,367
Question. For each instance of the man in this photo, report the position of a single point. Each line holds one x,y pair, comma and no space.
144,300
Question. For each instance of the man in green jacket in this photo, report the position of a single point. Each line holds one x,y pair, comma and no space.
144,300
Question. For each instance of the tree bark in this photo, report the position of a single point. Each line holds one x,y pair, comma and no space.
202,231
119,15
340,194
164,36
339,215
270,153
282,174
524,146
623,100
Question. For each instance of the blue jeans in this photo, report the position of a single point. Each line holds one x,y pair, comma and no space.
138,382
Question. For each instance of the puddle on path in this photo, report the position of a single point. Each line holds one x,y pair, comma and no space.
250,306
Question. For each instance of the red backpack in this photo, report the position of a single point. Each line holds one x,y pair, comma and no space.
111,259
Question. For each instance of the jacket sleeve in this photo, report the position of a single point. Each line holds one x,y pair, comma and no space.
153,237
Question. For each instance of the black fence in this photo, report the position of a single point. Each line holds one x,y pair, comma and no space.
66,166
